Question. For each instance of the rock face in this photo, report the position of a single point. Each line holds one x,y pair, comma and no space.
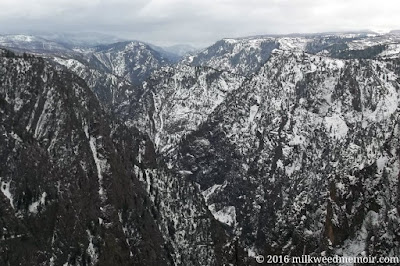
133,61
176,100
109,88
114,71
304,157
66,196
239,56
71,181
245,56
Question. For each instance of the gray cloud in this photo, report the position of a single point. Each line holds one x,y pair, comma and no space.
198,22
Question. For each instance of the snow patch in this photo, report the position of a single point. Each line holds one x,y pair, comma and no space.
336,126
209,191
5,189
18,102
251,252
91,251
16,137
44,116
100,165
253,112
33,207
226,215
296,140
185,172
381,163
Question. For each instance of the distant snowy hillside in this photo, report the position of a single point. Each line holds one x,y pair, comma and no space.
133,61
32,44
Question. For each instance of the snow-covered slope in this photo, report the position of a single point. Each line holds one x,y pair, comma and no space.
303,154
109,88
111,70
176,100
245,56
239,56
133,61
32,44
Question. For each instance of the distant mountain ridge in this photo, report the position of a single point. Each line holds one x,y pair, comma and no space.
32,44
84,39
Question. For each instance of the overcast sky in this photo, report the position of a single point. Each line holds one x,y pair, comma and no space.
196,22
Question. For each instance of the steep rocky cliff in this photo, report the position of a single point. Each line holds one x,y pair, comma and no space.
133,61
304,157
174,101
80,188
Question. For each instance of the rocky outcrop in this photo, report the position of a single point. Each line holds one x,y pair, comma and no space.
305,153
174,101
242,56
78,187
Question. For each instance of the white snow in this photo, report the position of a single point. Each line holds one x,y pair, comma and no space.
44,116
289,169
16,137
91,251
18,102
100,164
69,63
253,112
226,215
209,191
185,172
393,50
5,189
296,140
230,41
279,164
381,162
336,126
293,44
28,127
33,207
251,252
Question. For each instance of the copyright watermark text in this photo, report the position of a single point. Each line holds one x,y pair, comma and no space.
308,259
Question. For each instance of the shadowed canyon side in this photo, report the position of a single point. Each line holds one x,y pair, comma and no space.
68,197
80,189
